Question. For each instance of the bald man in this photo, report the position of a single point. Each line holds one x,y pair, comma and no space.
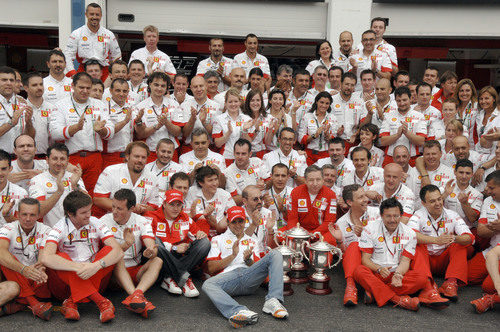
461,150
393,187
342,56
238,80
201,111
376,110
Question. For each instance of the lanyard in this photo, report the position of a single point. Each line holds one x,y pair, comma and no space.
339,172
161,171
70,237
14,108
29,240
121,111
6,196
162,110
395,194
320,135
366,178
385,240
76,110
276,203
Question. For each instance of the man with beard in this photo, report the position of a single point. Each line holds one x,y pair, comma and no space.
345,51
53,185
131,175
163,167
25,167
217,62
56,85
461,150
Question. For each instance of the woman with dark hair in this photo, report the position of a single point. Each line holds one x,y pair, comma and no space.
278,118
323,56
368,136
467,108
317,127
486,130
254,108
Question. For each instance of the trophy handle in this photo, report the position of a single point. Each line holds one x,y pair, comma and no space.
302,251
318,235
337,251
280,233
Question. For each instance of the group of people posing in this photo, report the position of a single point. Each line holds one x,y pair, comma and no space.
108,178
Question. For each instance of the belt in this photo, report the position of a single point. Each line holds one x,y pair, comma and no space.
85,153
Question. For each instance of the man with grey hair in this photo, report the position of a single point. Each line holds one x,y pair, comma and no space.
212,80
284,73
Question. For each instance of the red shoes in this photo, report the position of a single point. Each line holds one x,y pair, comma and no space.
70,310
351,294
449,290
484,304
107,310
406,302
42,310
431,298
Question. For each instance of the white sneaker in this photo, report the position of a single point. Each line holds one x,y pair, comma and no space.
274,307
242,318
189,289
171,286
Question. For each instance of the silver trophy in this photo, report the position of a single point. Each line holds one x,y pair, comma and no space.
321,257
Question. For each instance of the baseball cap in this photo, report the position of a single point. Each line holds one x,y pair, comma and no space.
235,212
173,195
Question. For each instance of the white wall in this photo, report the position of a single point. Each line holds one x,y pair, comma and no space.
29,13
223,18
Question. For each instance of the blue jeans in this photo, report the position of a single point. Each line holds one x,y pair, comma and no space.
244,281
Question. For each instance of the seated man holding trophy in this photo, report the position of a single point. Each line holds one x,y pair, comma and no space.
233,262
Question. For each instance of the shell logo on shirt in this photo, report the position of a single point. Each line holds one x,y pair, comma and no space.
452,195
238,176
380,239
437,177
360,59
302,202
208,64
84,234
150,111
191,163
18,239
312,121
337,105
161,227
84,38
72,110
348,229
70,237
112,110
50,88
229,241
394,119
49,184
45,114
492,206
428,223
100,38
67,88
243,62
124,181
113,229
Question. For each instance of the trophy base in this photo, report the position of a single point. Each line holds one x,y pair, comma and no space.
287,289
298,276
319,286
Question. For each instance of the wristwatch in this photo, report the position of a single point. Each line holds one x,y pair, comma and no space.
174,248
483,168
103,263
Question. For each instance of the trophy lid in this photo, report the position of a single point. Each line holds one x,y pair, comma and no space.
321,245
298,232
285,250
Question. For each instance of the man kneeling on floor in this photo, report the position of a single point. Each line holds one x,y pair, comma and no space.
232,257
133,232
73,250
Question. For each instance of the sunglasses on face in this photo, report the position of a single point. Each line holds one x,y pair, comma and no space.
238,221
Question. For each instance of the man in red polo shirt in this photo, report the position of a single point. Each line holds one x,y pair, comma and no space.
313,205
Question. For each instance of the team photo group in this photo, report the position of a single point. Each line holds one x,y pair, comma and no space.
124,174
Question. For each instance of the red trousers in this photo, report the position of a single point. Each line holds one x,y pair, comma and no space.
314,157
452,263
81,289
381,288
112,158
28,286
91,165
478,274
351,259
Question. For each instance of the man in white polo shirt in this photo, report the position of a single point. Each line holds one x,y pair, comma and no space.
25,167
202,156
217,62
20,242
199,112
10,193
132,175
136,74
364,174
120,115
244,171
300,94
80,252
92,41
82,123
119,70
151,56
461,150
233,257
251,58
278,196
337,151
134,233
163,167
33,85
53,185
237,77
56,85
432,115
285,154
443,238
